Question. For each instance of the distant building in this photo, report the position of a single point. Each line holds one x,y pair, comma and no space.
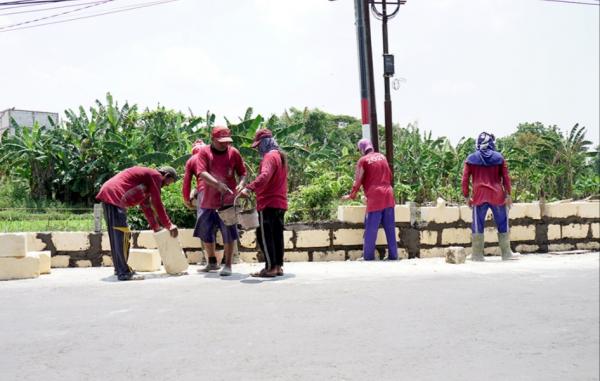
25,118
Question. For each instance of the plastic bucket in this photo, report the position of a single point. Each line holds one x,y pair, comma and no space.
248,219
228,215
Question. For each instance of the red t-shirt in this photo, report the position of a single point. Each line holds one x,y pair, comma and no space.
191,170
223,166
270,186
490,184
137,186
373,173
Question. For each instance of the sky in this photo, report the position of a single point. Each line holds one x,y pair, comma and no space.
464,66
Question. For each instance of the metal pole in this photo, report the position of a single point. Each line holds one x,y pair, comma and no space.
362,66
387,103
371,87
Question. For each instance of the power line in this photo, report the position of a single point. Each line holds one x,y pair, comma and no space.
47,9
574,2
123,9
35,2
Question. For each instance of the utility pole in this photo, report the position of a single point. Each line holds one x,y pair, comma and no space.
369,52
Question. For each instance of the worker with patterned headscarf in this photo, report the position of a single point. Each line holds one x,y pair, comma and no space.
491,190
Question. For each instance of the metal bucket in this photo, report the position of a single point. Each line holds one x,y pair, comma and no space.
248,219
228,215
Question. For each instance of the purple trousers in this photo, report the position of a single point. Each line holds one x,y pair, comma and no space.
383,217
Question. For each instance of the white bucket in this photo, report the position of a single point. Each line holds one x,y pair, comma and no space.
228,215
248,219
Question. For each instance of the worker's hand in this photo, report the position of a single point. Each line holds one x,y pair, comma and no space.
173,231
508,201
240,187
468,202
188,204
346,197
244,193
223,188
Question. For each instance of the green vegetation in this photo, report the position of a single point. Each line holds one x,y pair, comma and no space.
52,169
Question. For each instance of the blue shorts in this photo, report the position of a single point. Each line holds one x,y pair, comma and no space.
207,224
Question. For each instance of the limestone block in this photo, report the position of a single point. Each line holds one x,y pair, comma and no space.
523,248
560,247
596,230
187,239
249,256
491,250
594,245
466,214
525,210
13,245
522,233
588,209
288,235
433,252
44,260
575,231
402,253
71,241
107,261
60,261
561,209
553,232
83,263
105,242
402,213
170,252
295,256
144,260
146,240
34,243
325,256
194,257
348,237
440,215
352,214
455,254
19,268
428,237
353,255
490,235
381,238
248,239
312,238
453,236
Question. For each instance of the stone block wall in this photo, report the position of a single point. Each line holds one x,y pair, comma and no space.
420,231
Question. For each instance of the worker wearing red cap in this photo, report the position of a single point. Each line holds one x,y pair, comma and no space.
191,170
218,165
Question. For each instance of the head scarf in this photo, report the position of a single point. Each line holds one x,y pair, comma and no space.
267,144
364,146
485,153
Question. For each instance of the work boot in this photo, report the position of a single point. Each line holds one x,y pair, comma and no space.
504,243
477,245
130,276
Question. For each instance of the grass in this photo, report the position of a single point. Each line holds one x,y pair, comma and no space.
39,220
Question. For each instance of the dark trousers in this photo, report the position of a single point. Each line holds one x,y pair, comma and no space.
119,236
270,236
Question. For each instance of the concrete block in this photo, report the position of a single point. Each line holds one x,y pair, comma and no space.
194,257
433,252
593,245
83,263
575,231
352,214
71,241
525,210
326,256
348,237
440,215
219,255
554,232
490,235
250,256
288,235
105,242
353,255
34,243
588,209
44,260
560,209
402,213
491,250
144,260
466,214
187,239
107,261
455,255
556,247
312,238
60,261
523,248
522,233
170,252
146,240
453,236
19,268
13,245
295,256
428,237
596,230
248,239
381,238
402,253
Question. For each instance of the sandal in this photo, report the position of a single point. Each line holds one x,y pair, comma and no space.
262,274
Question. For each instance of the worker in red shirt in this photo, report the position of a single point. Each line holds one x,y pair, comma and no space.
191,197
134,186
491,190
374,175
270,187
218,165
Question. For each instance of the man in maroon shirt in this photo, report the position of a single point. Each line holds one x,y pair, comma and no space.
218,164
134,186
491,190
191,170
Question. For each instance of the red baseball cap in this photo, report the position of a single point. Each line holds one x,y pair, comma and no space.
261,133
222,134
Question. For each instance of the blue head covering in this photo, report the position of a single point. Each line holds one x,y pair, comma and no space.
485,153
267,144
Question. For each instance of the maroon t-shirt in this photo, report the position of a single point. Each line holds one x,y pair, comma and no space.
490,184
223,166
270,186
373,173
192,170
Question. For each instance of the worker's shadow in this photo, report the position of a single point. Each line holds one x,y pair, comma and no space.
147,276
233,276
258,280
